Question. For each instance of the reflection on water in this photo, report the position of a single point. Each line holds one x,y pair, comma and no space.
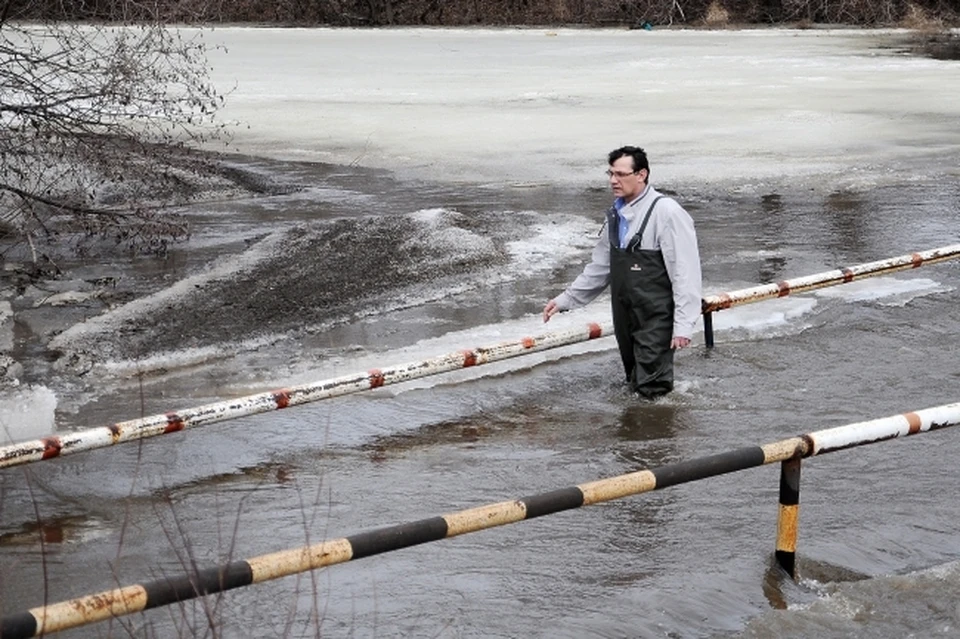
814,578
645,433
523,420
775,580
54,531
772,267
647,421
846,214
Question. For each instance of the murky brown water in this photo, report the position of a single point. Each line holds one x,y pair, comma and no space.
688,561
424,268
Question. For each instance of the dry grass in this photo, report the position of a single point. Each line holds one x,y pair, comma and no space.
716,15
918,19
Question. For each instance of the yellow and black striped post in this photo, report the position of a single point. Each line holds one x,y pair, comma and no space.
788,517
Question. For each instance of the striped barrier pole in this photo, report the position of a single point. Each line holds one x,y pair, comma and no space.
761,292
59,445
53,446
840,438
788,516
236,574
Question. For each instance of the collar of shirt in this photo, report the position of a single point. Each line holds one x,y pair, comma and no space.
619,203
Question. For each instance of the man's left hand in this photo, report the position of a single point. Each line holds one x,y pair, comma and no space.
679,342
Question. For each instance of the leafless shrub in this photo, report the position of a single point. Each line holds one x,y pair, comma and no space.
494,12
918,19
866,12
97,123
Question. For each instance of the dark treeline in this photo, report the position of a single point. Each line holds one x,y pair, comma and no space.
631,13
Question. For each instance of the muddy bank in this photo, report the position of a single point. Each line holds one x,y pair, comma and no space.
293,281
46,288
298,248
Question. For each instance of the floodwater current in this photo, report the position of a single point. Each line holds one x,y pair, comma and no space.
434,203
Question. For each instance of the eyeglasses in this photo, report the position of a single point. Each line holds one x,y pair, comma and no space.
620,174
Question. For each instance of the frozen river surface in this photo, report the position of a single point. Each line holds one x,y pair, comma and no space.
718,108
433,188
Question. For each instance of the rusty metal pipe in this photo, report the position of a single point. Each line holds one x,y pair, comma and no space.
828,278
59,445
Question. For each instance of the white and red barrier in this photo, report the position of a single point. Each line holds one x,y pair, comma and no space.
58,445
65,444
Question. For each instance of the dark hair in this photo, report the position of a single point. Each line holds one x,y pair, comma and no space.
639,157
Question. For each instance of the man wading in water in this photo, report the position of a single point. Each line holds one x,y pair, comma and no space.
650,259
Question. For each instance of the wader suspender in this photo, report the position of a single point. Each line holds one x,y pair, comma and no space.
634,242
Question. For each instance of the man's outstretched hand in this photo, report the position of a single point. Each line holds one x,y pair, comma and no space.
550,310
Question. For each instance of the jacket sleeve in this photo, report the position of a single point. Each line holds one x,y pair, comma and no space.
591,282
681,256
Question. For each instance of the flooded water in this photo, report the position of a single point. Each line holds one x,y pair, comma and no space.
478,197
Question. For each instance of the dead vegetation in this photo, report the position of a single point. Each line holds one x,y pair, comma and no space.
710,13
716,16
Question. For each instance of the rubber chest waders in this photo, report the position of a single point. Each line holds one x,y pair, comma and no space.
642,300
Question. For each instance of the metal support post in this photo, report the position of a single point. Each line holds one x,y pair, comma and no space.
708,328
789,514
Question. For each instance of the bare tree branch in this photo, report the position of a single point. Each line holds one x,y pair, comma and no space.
63,205
96,123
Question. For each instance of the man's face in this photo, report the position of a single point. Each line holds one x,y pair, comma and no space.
624,181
